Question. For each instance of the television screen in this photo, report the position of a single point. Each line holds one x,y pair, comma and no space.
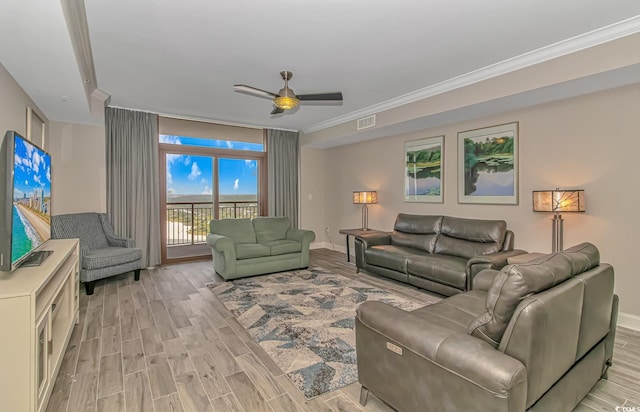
27,198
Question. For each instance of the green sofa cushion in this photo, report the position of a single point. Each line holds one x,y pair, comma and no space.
271,228
238,230
251,250
282,247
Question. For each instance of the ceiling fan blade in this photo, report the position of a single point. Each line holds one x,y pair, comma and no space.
252,90
276,110
321,96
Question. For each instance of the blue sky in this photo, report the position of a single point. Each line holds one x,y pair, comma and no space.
189,174
32,170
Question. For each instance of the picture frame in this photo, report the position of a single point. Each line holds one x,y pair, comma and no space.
423,170
35,128
488,165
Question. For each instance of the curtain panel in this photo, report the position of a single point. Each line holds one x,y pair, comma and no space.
133,196
282,164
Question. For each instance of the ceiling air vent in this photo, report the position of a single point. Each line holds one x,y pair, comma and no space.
366,122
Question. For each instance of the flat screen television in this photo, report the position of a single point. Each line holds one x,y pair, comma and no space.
25,202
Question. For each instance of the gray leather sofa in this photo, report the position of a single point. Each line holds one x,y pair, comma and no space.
535,336
438,253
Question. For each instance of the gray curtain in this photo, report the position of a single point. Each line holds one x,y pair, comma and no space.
133,197
282,163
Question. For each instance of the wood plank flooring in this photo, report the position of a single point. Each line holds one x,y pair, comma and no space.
166,343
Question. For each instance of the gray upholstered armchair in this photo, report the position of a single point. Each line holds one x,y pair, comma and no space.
102,253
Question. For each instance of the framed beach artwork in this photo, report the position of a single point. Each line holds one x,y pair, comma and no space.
488,165
423,170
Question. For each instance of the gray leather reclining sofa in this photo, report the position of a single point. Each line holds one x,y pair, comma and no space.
534,336
438,253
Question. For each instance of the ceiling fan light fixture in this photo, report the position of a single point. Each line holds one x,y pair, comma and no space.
285,102
286,99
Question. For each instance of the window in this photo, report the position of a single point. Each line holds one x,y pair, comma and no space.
219,176
218,144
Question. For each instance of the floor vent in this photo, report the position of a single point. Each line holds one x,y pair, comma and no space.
366,122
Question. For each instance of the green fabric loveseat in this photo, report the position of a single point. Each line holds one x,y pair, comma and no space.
248,247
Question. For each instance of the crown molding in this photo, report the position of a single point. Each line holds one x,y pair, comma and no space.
98,100
584,41
206,120
223,122
75,15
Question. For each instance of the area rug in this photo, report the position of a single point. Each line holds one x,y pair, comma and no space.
305,321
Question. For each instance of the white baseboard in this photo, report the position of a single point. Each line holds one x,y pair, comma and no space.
320,245
337,248
327,245
628,320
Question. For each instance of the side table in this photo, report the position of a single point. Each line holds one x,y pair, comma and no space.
354,232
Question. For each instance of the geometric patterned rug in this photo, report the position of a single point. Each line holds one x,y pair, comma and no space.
305,321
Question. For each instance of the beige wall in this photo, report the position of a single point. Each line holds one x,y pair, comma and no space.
312,190
13,107
589,142
77,151
78,168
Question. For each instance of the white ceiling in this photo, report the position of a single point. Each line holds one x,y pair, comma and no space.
183,57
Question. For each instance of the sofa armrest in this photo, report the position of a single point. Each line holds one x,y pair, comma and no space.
610,339
484,279
492,261
305,237
84,251
112,239
453,353
224,255
366,240
507,244
223,245
120,241
374,238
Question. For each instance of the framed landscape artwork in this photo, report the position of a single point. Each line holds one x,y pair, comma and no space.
423,170
488,165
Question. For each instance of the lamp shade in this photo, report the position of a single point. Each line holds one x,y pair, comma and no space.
365,197
558,201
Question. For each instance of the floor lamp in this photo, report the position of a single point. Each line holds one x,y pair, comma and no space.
365,197
558,201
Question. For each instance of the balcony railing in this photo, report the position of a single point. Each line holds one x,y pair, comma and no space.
188,222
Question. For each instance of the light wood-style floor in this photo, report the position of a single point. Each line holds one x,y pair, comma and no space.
166,343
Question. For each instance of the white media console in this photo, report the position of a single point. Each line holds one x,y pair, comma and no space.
38,310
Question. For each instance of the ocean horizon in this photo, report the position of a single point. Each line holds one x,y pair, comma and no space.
177,198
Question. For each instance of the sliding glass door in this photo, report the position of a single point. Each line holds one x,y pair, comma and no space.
200,184
189,203
237,188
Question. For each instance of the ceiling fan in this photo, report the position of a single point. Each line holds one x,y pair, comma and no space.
286,98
